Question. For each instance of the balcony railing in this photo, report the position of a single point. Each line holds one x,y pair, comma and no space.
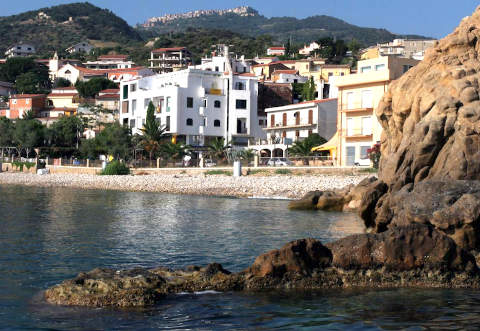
357,107
288,125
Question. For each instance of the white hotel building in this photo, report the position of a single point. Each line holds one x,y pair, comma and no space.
215,99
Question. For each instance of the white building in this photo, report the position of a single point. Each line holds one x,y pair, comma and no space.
408,48
115,61
306,50
197,104
81,47
288,124
20,49
276,50
287,76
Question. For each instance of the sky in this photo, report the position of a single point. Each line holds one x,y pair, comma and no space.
433,18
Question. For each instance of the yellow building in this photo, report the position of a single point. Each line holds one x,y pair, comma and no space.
62,101
358,95
370,53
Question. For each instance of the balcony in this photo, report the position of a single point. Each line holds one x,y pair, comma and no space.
356,107
289,125
358,133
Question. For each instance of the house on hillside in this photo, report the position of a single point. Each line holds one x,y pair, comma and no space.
113,61
288,76
62,101
20,104
20,49
276,50
109,99
306,50
171,59
81,47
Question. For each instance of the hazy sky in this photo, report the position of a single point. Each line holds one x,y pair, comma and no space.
435,18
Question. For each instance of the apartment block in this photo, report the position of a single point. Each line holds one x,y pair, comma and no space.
165,60
358,95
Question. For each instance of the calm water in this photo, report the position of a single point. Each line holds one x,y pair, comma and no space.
48,235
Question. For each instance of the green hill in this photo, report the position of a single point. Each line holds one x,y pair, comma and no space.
280,28
64,26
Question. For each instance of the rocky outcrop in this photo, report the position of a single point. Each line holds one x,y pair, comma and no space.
300,256
412,255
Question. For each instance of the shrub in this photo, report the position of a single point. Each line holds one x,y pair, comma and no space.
19,165
283,172
116,168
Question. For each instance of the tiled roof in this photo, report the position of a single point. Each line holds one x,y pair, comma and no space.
65,88
51,95
292,72
277,48
108,96
113,56
111,90
24,96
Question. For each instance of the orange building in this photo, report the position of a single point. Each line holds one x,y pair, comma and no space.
22,103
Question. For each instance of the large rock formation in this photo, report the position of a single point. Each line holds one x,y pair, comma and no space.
414,255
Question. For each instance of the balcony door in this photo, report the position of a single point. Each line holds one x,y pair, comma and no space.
366,126
284,122
350,126
367,99
350,100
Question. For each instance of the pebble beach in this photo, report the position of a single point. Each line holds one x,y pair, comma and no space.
279,186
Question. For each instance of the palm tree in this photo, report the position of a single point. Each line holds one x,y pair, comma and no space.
303,148
152,133
170,150
218,149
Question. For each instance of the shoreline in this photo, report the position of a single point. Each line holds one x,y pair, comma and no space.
264,187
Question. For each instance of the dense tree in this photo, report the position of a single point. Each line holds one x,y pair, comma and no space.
66,132
62,82
303,148
28,76
115,140
309,90
91,87
28,134
6,132
175,151
152,133
28,83
218,149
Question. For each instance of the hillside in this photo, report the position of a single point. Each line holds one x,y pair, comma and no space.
54,30
280,28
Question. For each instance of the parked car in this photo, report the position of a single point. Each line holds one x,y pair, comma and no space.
210,163
279,161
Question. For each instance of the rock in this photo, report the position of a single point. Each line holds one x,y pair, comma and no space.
452,207
107,287
431,115
214,268
299,256
331,201
307,202
414,246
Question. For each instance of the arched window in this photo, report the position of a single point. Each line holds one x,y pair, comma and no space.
189,122
68,72
217,104
216,123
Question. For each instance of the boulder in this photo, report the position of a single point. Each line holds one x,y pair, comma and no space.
307,202
414,246
299,256
323,200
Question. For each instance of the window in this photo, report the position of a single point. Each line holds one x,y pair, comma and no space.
217,104
350,126
364,152
241,104
216,123
367,99
134,106
366,69
133,87
217,69
124,107
379,67
204,103
168,103
366,126
125,90
330,74
189,102
132,123
167,126
350,100
189,122
272,120
14,101
310,116
342,74
68,72
239,86
146,102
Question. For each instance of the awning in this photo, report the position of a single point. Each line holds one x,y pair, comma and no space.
330,145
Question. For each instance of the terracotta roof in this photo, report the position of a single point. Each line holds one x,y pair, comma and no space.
292,72
315,101
286,61
108,96
111,90
170,49
65,88
279,48
246,74
62,95
335,65
62,109
25,96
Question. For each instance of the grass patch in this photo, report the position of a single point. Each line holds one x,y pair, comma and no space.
283,171
256,171
218,172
